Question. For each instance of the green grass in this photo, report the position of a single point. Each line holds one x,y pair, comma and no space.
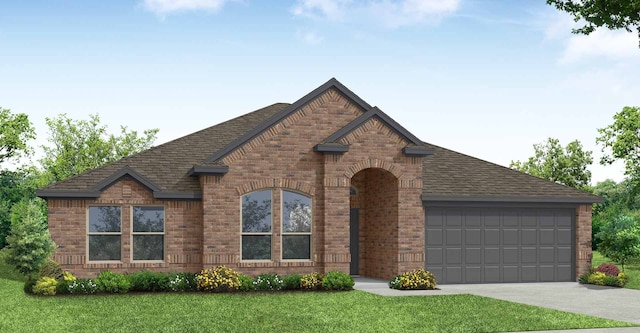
353,311
632,270
7,271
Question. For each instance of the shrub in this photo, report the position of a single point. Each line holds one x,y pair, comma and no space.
311,281
51,269
45,286
28,286
608,269
149,281
246,283
611,281
82,286
218,279
418,279
596,278
623,278
64,283
268,282
292,281
620,240
109,282
183,282
335,280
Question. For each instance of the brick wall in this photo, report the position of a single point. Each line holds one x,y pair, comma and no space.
183,231
583,239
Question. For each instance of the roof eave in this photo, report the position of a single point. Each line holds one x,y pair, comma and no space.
426,198
216,170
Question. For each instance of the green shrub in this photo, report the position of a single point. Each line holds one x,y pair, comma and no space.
246,283
62,287
311,281
336,280
45,286
623,278
611,281
82,286
28,286
292,281
183,282
418,279
149,281
218,279
51,269
596,278
268,282
584,278
109,282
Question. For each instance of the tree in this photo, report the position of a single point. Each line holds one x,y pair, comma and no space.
78,146
622,138
14,187
620,240
551,161
29,241
616,201
611,14
15,132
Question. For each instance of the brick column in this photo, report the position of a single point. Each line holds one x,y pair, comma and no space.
583,239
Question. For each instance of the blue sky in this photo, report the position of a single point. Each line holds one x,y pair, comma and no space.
485,78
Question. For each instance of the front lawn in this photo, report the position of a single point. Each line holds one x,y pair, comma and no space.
353,311
632,270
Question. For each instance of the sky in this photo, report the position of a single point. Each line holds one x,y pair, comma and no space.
484,78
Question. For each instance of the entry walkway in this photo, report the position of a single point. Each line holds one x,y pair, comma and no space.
605,302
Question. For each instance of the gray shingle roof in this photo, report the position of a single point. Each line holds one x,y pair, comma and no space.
451,176
447,175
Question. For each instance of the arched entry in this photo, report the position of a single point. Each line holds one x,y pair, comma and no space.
374,223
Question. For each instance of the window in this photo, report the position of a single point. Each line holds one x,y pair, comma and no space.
148,233
256,225
296,226
105,231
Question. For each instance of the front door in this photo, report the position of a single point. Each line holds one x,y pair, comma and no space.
354,241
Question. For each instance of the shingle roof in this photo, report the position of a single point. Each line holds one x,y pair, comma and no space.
447,175
167,165
451,176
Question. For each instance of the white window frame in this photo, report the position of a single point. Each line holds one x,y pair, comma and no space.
150,233
102,233
295,233
270,233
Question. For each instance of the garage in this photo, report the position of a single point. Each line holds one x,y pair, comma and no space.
500,244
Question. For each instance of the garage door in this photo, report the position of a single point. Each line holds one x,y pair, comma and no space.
491,245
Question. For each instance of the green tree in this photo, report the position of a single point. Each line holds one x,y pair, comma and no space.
14,187
78,146
29,241
611,14
566,165
621,141
15,131
620,240
617,200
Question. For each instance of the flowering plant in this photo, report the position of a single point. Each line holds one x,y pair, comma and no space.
418,279
218,279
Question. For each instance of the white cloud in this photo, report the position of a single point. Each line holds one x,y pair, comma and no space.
615,45
309,37
163,7
391,14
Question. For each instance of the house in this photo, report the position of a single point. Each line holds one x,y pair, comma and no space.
326,183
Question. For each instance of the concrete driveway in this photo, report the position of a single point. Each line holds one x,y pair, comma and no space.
605,302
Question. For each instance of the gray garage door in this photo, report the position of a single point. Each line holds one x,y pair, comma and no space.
486,245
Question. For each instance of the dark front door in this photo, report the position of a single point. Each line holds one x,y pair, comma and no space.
354,241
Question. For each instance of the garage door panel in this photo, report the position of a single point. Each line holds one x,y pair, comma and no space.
473,237
492,255
454,237
547,255
510,236
510,274
453,256
547,236
510,255
529,273
547,273
473,255
485,245
454,274
434,237
492,236
434,256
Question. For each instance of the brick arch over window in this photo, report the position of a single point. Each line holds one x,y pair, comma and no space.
391,167
283,183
